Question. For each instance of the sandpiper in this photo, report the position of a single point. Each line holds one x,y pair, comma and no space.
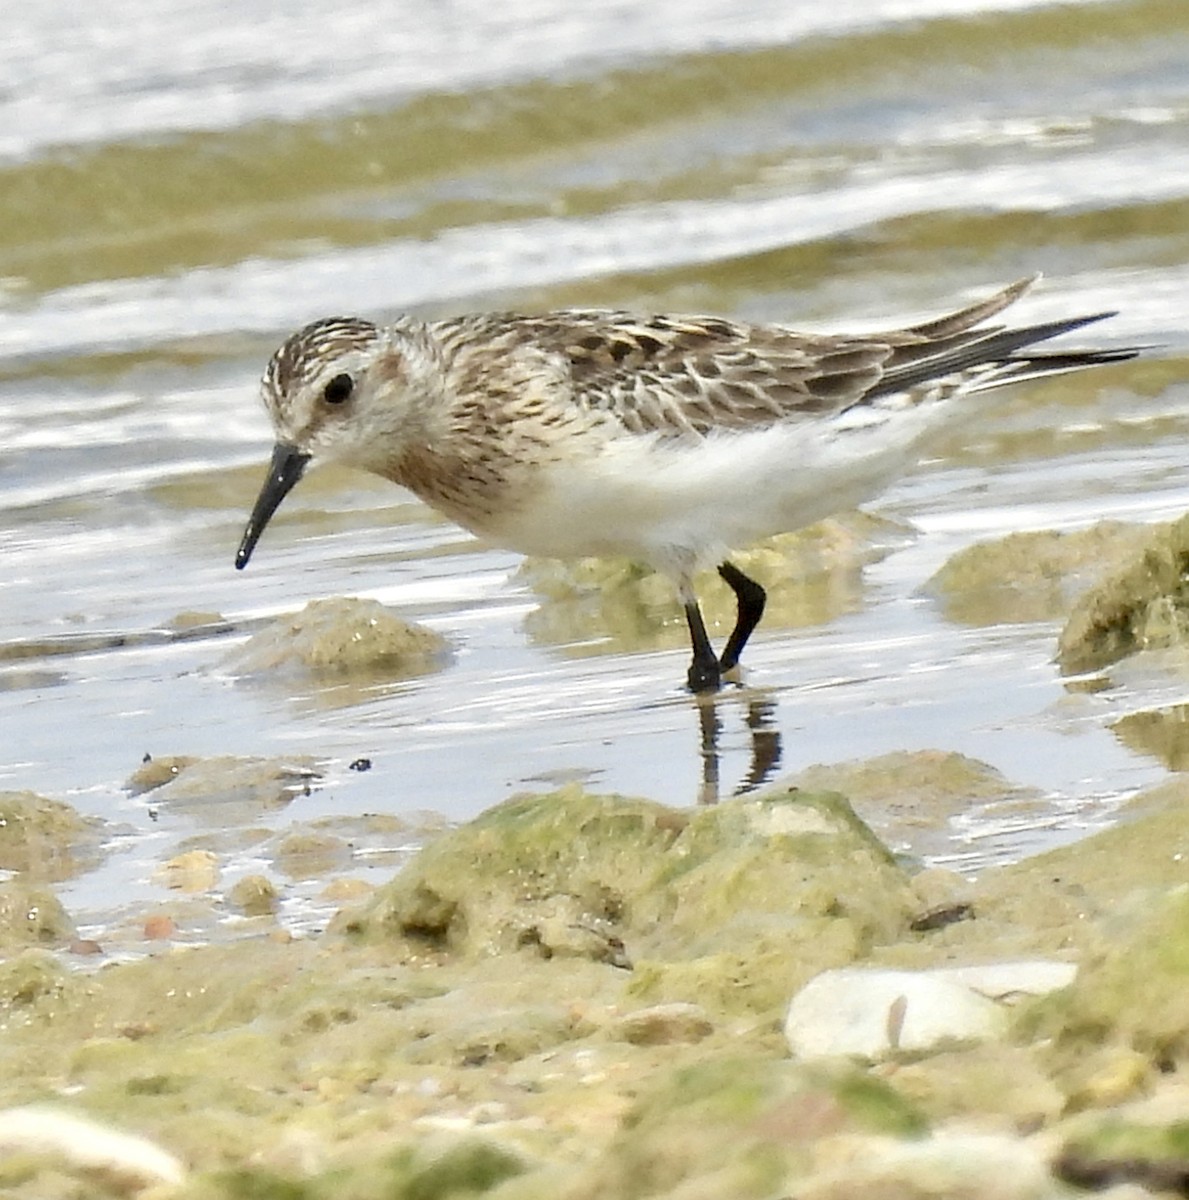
668,439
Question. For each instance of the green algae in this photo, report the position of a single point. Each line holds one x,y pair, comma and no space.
739,901
464,1032
467,1167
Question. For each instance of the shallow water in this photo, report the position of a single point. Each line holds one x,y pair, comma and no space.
182,187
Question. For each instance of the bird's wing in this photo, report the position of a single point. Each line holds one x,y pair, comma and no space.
692,375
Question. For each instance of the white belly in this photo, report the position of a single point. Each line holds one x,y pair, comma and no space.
678,506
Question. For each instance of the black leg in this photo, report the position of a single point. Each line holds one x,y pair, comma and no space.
750,597
704,673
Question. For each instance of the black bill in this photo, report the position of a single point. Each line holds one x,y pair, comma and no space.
284,471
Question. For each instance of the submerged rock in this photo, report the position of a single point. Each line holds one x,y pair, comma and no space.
811,575
341,635
913,796
1029,576
1161,733
209,787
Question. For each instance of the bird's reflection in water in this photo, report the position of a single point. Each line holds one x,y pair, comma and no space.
765,741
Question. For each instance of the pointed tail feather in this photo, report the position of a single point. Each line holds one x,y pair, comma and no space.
997,347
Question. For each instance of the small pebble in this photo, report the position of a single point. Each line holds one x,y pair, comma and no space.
665,1024
159,927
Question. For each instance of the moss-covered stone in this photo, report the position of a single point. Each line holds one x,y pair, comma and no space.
45,839
341,635
523,874
913,795
747,1124
1134,992
577,996
1142,605
254,896
740,901
31,916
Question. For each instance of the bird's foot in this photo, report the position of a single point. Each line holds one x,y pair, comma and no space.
704,675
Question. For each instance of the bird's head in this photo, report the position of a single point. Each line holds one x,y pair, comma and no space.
341,389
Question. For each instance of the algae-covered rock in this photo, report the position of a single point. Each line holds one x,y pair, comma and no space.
157,770
30,978
1133,993
45,839
1144,604
538,871
731,906
1112,1151
740,1127
31,916
1028,576
254,896
341,635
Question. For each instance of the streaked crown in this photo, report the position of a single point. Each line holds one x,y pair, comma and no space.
305,354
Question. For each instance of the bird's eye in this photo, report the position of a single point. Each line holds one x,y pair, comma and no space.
338,389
